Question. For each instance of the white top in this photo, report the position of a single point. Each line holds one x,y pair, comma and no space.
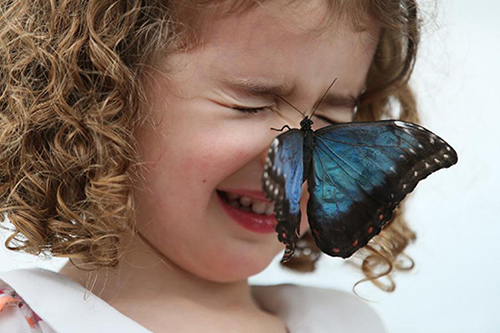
41,301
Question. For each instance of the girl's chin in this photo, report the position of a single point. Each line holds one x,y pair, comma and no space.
225,260
232,269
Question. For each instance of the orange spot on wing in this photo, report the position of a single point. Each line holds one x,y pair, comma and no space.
355,243
370,230
335,250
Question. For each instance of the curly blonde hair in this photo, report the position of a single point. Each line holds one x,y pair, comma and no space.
70,97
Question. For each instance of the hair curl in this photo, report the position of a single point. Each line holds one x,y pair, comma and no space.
70,94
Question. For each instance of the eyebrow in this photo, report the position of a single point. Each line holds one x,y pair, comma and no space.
336,99
259,88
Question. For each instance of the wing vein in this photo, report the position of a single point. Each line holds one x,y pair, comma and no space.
366,209
354,169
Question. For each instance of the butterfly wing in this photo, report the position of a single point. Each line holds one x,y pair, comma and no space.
361,172
282,180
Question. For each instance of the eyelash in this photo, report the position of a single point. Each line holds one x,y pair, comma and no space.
250,110
264,108
327,119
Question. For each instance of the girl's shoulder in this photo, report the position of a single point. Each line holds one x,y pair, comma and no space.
40,300
312,309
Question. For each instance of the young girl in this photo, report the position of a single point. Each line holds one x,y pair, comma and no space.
126,125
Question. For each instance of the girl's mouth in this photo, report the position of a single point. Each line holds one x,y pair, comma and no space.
252,214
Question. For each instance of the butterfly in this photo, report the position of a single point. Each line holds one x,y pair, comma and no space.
357,173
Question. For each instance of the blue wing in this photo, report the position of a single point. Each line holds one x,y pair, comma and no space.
281,181
361,172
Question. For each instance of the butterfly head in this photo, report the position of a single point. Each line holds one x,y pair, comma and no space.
306,123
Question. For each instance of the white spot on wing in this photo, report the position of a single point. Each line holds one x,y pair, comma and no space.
400,124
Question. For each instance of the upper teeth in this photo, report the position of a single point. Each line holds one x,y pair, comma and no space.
257,206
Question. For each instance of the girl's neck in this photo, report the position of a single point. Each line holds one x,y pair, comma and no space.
153,291
144,277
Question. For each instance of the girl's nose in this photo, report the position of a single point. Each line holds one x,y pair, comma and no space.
263,155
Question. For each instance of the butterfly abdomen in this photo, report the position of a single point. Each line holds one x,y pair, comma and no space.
308,145
308,151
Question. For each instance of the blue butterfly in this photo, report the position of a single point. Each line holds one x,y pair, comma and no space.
357,173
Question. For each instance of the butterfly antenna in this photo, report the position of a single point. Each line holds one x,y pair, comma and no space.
287,102
322,98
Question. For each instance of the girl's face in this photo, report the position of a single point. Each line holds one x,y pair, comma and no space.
200,143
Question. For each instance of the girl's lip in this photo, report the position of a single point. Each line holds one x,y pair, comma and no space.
249,220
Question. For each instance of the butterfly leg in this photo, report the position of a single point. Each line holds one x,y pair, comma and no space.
281,130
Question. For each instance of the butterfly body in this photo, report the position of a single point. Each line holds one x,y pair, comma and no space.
308,150
357,174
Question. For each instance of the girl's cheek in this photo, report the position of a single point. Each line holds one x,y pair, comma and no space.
234,147
210,161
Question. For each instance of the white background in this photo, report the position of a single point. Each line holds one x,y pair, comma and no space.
455,286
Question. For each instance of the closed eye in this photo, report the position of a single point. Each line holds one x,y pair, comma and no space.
250,110
328,120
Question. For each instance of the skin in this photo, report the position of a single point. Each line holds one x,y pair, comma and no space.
190,267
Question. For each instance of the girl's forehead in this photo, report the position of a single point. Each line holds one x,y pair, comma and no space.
265,33
297,17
